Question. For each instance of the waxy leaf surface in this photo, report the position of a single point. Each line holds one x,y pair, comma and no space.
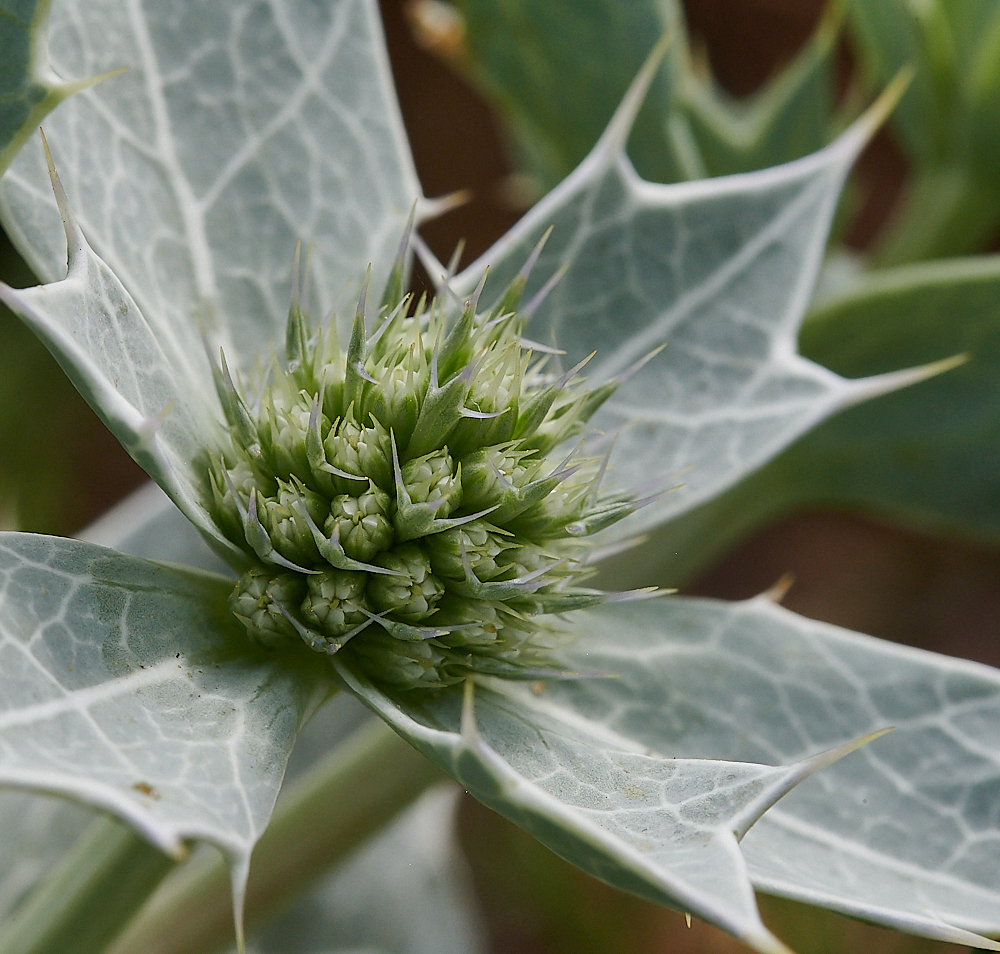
29,88
235,131
927,455
109,350
663,828
923,457
719,272
644,776
904,832
127,685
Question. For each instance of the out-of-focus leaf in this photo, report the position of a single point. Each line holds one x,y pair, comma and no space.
556,72
948,121
402,893
790,117
35,830
43,426
950,44
146,524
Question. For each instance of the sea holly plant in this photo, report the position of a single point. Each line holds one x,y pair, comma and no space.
406,500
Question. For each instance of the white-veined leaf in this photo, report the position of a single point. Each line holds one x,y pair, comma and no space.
98,334
905,833
720,272
664,828
129,686
29,88
236,130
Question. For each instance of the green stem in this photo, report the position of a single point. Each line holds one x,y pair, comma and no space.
341,802
946,211
93,890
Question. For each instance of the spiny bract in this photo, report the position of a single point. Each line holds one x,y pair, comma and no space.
398,502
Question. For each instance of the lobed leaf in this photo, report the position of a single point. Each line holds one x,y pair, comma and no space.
103,341
663,828
29,87
720,272
127,685
904,833
921,457
194,173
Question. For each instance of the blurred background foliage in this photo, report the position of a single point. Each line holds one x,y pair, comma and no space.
888,515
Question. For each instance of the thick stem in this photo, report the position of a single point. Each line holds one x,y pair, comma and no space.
946,211
342,801
94,889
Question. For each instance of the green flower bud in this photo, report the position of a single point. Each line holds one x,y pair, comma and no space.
336,602
412,592
363,451
426,492
361,523
394,501
283,434
475,622
283,519
506,481
416,664
396,403
225,508
264,601
431,478
490,411
481,544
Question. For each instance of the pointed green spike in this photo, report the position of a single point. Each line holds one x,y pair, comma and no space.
297,331
354,382
395,287
237,413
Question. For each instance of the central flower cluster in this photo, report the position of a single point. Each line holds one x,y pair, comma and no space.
398,502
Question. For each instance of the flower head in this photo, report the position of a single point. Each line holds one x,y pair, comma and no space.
397,500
